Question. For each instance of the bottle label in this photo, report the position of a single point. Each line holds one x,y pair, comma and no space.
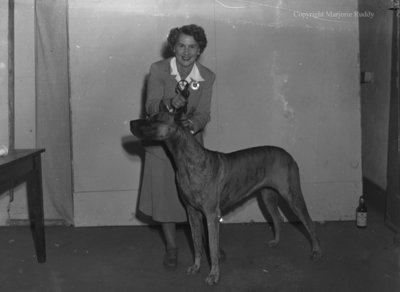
361,219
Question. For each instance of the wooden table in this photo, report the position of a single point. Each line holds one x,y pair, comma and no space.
25,166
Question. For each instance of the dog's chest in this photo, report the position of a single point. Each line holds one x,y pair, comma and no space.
192,187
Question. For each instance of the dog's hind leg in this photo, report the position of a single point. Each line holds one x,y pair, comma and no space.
300,209
196,227
270,198
291,192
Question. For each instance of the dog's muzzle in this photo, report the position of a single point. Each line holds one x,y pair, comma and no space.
137,126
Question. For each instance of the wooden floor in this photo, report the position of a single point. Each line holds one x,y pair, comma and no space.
129,259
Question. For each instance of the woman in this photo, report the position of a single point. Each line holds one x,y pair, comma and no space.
167,79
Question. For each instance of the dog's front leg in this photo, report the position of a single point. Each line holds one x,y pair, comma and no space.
213,239
195,221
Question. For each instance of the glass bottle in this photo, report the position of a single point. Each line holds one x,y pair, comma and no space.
361,213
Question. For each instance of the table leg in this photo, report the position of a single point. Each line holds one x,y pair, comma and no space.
35,202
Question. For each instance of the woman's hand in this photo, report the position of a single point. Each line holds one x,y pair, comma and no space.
188,124
177,101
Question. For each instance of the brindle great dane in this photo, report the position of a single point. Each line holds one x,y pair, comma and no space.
211,182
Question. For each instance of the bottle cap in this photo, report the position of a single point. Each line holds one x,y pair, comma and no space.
3,150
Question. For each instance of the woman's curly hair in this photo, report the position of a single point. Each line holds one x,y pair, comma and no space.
197,32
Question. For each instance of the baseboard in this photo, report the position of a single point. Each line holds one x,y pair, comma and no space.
26,222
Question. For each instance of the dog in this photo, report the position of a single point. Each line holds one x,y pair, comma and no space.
210,182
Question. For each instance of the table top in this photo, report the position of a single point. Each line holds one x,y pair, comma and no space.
19,154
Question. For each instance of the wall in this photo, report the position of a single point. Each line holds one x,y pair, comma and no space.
42,107
287,75
53,107
14,208
4,117
25,100
375,56
4,130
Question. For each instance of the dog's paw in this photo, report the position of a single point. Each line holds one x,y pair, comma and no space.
192,270
316,255
212,279
273,243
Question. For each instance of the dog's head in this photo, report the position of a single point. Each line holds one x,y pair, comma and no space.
157,127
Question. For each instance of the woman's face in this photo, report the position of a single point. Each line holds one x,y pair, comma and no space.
186,50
